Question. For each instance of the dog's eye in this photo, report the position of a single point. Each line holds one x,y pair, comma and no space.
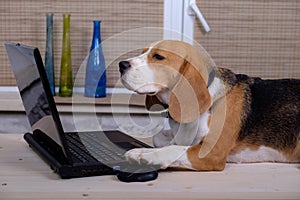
158,57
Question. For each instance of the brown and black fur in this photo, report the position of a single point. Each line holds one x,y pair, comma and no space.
271,114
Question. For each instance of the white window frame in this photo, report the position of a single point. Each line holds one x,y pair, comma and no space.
179,20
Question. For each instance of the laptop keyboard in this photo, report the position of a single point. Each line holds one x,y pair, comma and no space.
93,147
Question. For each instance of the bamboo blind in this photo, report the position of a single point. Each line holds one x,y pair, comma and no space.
257,37
24,21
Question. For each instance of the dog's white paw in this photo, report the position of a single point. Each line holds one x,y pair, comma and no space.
163,157
143,156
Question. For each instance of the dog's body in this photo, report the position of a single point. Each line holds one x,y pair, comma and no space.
216,116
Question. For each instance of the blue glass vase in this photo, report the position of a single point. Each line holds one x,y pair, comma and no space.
49,56
95,77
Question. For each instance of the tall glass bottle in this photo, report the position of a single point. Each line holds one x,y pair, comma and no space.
49,59
66,81
95,78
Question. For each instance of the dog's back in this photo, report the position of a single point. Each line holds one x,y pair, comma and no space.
273,114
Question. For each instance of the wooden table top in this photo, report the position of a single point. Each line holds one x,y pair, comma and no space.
23,175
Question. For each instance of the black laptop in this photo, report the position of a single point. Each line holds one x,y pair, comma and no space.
70,154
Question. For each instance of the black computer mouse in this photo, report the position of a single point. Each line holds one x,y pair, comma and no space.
137,174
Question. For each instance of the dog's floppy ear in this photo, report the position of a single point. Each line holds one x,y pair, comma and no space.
190,97
154,104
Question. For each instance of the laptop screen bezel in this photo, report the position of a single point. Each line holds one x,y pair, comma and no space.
52,105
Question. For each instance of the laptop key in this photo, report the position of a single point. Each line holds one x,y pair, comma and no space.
88,148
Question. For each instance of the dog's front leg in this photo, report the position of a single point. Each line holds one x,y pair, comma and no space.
169,156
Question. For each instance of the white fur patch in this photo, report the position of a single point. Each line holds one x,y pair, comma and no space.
216,89
263,154
185,134
203,128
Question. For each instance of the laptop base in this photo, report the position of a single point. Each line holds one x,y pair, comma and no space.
61,167
53,155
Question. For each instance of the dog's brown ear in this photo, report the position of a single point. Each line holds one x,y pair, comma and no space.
154,104
190,97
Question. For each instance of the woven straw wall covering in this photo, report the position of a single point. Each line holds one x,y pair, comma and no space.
24,21
257,37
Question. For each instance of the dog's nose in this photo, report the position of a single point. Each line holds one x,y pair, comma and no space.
123,66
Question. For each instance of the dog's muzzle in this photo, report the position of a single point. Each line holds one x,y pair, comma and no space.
123,66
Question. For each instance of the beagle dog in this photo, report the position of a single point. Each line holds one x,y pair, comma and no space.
215,116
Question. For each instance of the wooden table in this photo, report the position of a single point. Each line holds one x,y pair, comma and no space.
23,175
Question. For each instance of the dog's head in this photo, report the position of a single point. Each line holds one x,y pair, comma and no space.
172,74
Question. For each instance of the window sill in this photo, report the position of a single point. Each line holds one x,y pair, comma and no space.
10,101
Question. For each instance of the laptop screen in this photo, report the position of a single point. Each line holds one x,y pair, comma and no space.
32,90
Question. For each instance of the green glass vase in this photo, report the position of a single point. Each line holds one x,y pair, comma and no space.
66,80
